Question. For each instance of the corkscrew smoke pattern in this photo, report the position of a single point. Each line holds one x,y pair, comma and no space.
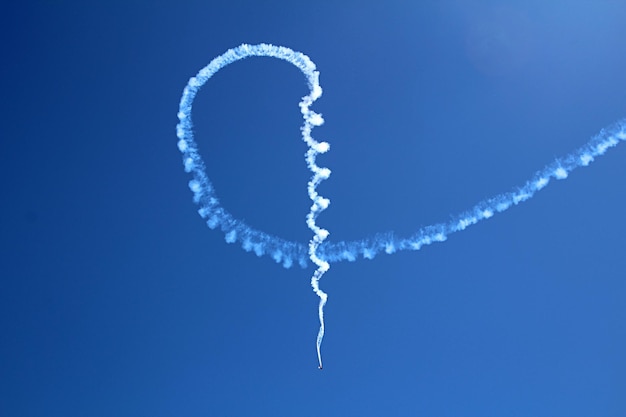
322,253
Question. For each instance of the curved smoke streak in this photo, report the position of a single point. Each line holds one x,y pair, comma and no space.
323,253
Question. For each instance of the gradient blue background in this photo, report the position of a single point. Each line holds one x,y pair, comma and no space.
116,299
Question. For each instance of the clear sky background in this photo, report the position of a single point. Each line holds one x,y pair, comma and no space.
116,299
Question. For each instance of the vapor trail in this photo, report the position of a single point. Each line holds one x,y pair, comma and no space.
204,194
321,253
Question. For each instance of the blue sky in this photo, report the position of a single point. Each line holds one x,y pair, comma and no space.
116,299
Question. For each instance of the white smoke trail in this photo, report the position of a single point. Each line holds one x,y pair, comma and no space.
323,253
202,188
